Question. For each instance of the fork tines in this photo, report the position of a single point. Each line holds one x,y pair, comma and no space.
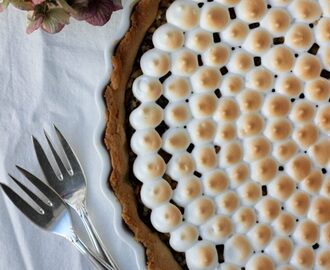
46,211
46,166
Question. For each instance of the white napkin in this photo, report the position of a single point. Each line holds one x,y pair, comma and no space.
47,79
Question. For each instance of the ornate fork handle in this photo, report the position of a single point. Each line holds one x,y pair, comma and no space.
98,262
94,237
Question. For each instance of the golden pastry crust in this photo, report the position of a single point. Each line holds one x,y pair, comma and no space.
158,255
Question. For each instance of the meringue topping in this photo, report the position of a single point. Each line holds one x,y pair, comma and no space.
260,235
200,210
282,187
279,59
302,111
303,258
277,21
299,37
202,255
305,10
216,55
215,182
284,223
183,14
233,110
318,90
260,262
276,106
323,118
306,135
214,17
260,79
307,232
307,67
319,152
281,248
298,203
251,11
249,100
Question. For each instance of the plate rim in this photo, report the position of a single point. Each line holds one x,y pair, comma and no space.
125,235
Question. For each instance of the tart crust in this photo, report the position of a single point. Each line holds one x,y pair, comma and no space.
159,257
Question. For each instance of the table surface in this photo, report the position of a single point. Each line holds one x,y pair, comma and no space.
49,79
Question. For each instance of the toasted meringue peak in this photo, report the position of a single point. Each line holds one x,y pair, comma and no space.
183,14
284,223
307,67
323,259
260,262
319,152
280,248
299,37
268,208
214,17
202,255
305,10
260,235
249,100
216,55
251,11
279,59
282,187
237,249
303,258
298,203
277,21
302,111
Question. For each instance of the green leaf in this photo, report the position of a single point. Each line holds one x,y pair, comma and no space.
21,4
55,19
49,25
59,15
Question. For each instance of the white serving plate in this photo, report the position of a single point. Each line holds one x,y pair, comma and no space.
131,255
58,79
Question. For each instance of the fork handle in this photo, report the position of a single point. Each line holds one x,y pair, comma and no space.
95,238
98,262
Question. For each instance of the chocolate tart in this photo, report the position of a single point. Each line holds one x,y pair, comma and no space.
269,102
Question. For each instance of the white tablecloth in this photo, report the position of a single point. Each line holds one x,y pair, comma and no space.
48,79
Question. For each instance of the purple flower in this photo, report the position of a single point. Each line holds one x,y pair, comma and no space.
95,12
52,15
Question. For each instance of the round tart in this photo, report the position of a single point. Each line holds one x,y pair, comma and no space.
222,159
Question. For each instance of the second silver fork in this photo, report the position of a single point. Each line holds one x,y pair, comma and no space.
70,185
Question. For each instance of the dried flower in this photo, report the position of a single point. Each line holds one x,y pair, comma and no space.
50,19
94,12
52,15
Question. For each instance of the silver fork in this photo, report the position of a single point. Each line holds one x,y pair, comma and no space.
70,185
52,216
